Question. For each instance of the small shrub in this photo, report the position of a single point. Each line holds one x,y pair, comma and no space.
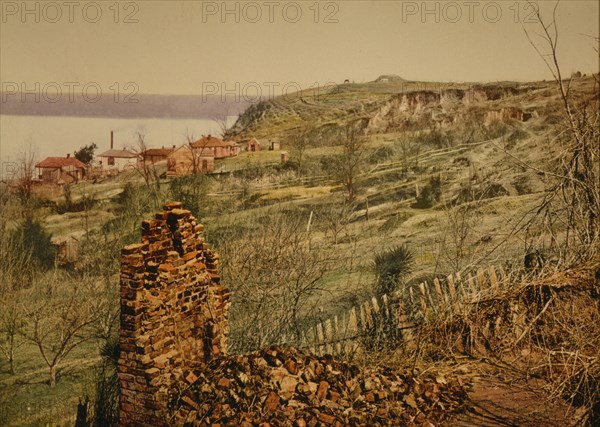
496,130
106,405
381,155
87,202
436,138
494,189
391,267
522,184
36,242
430,194
518,135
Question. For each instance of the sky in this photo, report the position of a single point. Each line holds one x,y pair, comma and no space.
268,47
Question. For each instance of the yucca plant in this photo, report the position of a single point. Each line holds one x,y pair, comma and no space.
391,267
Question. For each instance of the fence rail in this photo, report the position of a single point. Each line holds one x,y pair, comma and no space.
393,318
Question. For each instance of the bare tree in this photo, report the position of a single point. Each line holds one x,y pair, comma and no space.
408,148
575,181
349,164
299,144
57,324
460,239
145,167
11,322
24,180
220,120
15,262
276,276
198,154
336,216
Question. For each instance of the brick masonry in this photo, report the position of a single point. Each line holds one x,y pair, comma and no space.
173,313
174,371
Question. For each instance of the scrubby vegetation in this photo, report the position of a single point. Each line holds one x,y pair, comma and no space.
357,212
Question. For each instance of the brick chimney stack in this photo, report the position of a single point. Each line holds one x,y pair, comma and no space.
173,313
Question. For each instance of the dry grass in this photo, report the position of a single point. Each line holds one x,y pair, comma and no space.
544,327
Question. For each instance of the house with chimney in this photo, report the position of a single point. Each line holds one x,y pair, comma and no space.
186,160
113,160
219,149
60,170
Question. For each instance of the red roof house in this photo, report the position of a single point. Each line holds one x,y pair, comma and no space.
61,170
217,147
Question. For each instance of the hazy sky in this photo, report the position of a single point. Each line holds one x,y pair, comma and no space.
187,47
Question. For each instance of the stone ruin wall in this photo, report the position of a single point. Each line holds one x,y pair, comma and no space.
173,312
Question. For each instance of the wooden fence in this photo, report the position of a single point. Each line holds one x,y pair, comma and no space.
391,319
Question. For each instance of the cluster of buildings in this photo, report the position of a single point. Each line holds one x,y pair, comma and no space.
194,158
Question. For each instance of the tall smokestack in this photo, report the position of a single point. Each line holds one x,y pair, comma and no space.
111,139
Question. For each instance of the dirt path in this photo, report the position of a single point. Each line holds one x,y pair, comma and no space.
495,400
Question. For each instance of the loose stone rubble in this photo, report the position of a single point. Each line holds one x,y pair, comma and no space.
173,369
285,387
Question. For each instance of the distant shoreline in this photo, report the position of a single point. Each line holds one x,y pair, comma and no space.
185,107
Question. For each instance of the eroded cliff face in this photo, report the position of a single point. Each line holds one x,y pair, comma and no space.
405,110
422,109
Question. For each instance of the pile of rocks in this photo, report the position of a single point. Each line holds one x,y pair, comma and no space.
285,387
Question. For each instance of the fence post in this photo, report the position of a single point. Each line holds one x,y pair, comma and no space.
368,314
423,297
493,277
336,335
352,322
376,310
440,295
481,278
328,337
411,298
404,324
363,319
472,285
452,289
351,344
501,273
319,338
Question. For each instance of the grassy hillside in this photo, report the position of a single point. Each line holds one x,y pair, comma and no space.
458,173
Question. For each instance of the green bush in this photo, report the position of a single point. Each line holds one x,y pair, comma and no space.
391,267
87,202
86,153
35,242
430,194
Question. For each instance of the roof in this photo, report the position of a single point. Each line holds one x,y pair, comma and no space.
254,140
158,151
120,154
60,162
203,154
210,141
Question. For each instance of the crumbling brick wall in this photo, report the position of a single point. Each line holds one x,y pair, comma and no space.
173,312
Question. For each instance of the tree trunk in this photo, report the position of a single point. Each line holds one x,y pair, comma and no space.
52,376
